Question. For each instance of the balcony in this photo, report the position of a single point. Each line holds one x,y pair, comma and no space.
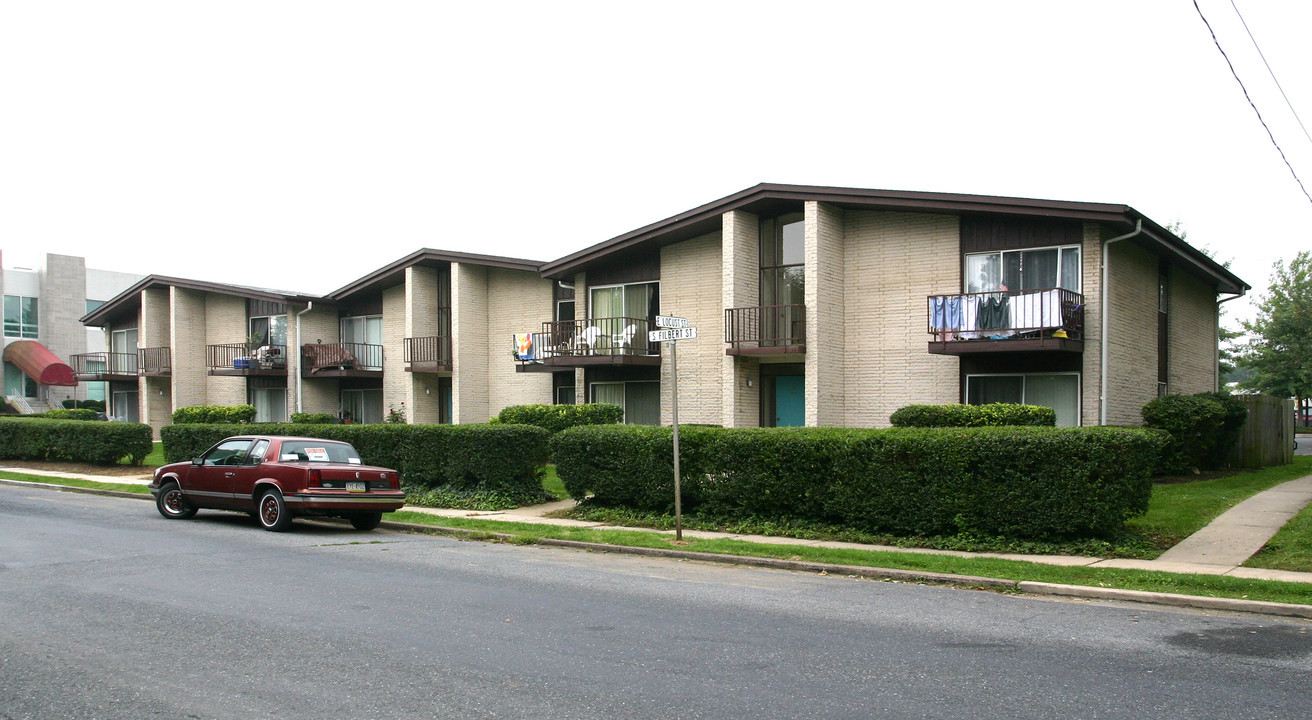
362,360
1008,321
428,354
155,362
104,366
583,343
765,330
239,359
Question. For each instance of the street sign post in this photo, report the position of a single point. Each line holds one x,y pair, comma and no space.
675,329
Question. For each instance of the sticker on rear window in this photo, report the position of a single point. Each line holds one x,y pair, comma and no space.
316,454
353,461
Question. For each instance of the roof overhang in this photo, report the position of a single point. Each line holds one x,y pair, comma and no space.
393,274
128,301
39,363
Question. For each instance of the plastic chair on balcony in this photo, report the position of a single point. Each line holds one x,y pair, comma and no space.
624,340
587,339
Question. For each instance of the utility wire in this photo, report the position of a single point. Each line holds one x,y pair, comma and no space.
1273,72
1250,102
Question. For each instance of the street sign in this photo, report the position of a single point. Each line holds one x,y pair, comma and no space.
686,333
668,321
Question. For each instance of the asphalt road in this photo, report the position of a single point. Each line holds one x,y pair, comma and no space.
109,611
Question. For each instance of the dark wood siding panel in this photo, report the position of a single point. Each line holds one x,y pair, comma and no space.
370,305
981,233
632,268
263,308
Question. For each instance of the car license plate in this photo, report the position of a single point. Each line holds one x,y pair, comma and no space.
356,486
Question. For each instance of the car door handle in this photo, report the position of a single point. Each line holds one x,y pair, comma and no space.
229,474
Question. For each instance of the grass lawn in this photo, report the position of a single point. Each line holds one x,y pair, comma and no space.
1178,510
73,482
154,459
552,484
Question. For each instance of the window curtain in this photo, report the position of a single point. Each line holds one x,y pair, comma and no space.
1059,392
1070,269
612,393
642,403
995,389
607,303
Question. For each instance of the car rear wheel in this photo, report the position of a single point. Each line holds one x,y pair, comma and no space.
171,503
272,512
366,521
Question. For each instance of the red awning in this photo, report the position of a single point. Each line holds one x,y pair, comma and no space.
39,363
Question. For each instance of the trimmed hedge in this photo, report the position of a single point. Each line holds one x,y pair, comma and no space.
313,418
214,414
1203,428
555,418
1018,482
79,414
100,443
506,457
956,415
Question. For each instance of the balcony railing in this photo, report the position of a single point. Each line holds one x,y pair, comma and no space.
155,361
1024,319
341,359
615,340
239,359
101,365
428,354
765,329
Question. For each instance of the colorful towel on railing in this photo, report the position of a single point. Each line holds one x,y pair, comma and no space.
524,346
1036,310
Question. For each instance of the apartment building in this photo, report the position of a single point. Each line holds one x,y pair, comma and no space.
814,306
42,309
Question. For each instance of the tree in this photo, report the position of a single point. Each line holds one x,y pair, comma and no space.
1279,351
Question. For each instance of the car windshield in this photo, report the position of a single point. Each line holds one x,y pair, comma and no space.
318,451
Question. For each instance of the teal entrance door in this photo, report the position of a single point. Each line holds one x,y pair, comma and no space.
789,401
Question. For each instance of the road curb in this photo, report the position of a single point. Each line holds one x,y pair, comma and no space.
1189,601
73,488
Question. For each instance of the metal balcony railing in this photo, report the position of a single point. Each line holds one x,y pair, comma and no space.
593,337
155,361
765,327
1011,314
341,356
239,356
103,363
428,353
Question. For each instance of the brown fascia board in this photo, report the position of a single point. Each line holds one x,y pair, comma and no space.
131,297
393,273
846,197
1222,279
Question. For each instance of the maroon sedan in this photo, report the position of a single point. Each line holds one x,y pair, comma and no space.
278,478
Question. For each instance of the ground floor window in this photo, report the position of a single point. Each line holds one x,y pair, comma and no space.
124,406
270,404
1059,391
641,400
362,406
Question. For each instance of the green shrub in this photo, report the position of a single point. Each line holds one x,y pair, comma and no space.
313,418
214,414
101,443
990,415
1203,429
97,405
495,457
1020,482
555,418
78,414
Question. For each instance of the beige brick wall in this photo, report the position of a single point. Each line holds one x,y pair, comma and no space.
469,311
1191,334
225,322
1132,337
155,402
517,301
153,330
1091,288
691,274
893,262
153,326
740,271
397,390
187,338
825,248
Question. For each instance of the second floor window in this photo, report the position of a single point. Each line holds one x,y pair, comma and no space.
269,330
1037,269
20,317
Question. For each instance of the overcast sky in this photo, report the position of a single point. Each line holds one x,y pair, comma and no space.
300,145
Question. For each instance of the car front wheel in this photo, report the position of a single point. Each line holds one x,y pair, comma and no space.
171,503
272,512
366,521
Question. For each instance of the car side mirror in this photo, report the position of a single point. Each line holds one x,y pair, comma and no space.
196,461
